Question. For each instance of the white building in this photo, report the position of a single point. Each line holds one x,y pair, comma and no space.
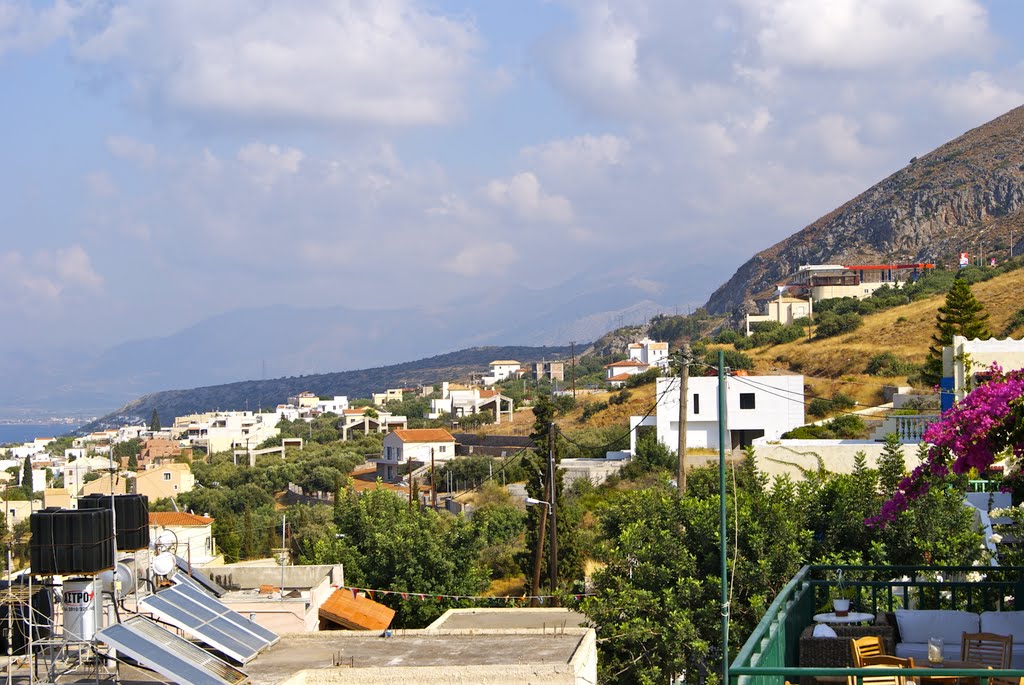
413,444
965,359
222,431
335,405
784,310
618,373
502,369
458,400
649,352
756,406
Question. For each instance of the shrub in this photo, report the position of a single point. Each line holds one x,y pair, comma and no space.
831,324
620,397
648,376
591,408
819,407
888,364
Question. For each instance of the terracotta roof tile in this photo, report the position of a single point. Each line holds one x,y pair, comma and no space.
177,518
625,362
423,435
621,377
505,362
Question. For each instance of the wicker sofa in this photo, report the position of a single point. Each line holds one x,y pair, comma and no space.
834,652
915,626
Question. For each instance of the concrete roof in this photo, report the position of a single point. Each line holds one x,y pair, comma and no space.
413,648
508,619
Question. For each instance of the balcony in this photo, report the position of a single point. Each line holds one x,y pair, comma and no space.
771,654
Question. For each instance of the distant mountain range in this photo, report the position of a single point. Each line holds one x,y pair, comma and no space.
254,395
965,196
281,341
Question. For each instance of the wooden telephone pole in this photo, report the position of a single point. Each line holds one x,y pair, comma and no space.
684,381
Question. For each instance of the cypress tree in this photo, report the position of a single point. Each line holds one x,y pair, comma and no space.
961,315
154,421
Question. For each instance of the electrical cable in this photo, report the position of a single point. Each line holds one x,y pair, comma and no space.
612,443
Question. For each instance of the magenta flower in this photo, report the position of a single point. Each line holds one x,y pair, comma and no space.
972,434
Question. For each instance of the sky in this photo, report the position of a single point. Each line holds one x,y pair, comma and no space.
168,161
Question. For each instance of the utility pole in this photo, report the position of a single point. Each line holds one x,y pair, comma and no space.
553,561
540,554
684,381
573,346
410,483
433,481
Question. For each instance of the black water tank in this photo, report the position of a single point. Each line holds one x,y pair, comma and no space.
70,541
132,518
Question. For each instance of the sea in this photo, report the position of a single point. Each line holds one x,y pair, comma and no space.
24,432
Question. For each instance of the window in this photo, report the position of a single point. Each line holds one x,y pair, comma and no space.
747,400
696,403
167,476
442,448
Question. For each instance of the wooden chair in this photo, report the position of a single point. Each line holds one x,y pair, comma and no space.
989,649
889,661
883,661
861,647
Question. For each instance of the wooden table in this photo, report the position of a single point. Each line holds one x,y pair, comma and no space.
949,664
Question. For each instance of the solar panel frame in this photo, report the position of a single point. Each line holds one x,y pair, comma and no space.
171,656
200,597
208,620
197,577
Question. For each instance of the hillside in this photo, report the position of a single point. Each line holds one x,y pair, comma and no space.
359,383
967,195
838,364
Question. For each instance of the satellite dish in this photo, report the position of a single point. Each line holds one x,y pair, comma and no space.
164,564
167,541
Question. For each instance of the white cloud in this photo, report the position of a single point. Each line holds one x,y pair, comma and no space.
581,152
981,95
524,196
477,260
839,137
377,62
100,185
45,278
268,164
25,28
126,147
866,34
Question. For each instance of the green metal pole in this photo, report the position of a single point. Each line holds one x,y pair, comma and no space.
721,514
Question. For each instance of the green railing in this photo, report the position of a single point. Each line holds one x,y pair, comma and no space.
771,653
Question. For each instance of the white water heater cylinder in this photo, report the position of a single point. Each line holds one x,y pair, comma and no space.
83,609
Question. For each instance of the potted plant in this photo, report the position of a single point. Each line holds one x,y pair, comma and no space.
841,596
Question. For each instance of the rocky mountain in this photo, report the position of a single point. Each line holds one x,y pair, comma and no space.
965,196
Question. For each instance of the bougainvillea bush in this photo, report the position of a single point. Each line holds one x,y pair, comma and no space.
983,427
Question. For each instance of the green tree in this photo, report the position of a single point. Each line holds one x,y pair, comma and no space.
154,421
891,466
961,315
26,475
386,544
570,558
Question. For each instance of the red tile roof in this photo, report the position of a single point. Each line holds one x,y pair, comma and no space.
423,435
625,362
621,377
177,518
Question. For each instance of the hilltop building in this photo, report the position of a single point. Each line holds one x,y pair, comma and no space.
783,310
825,281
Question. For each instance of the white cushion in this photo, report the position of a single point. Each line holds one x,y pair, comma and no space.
822,630
1004,623
917,625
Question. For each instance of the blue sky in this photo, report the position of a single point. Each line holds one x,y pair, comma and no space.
167,161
